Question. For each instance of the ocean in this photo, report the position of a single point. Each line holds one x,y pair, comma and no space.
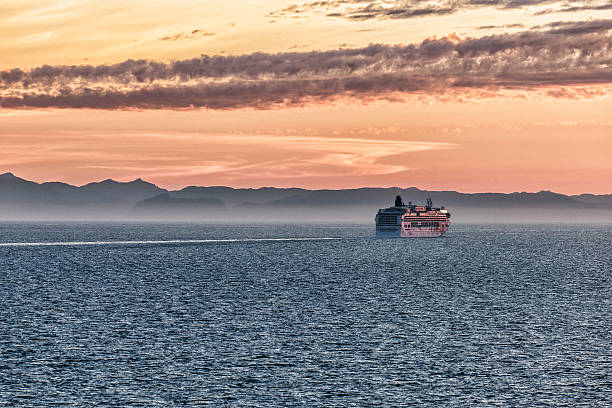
182,315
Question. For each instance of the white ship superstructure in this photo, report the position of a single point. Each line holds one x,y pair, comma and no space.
411,220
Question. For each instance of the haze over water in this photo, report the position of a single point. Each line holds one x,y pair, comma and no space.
245,315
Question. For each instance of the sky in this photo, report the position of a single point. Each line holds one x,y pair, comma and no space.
466,95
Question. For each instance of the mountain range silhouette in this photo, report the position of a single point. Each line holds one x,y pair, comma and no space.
108,199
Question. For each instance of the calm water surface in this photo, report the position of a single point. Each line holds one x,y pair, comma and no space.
515,315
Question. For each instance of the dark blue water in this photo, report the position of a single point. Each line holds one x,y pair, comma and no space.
485,316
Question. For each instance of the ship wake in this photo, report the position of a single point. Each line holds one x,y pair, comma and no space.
159,242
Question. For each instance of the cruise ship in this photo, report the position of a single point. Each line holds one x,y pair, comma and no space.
411,220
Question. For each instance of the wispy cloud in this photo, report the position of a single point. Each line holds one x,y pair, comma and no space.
224,156
31,38
191,35
563,54
406,9
37,13
490,27
576,8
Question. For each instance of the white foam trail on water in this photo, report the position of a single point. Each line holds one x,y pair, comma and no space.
171,241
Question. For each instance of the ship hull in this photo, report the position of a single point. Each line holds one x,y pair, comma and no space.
410,232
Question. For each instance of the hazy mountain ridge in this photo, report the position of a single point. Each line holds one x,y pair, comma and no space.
383,196
138,199
238,196
14,189
131,191
187,206
603,199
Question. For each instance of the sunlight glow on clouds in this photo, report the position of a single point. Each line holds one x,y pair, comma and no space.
562,55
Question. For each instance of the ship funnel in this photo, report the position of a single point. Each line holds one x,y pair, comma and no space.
399,202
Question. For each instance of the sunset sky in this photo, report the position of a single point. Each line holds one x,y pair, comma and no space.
466,95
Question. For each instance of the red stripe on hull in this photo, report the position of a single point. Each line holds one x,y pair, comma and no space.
412,232
423,232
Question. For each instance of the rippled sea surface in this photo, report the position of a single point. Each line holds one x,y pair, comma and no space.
514,315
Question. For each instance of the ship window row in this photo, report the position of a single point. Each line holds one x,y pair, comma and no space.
388,220
425,224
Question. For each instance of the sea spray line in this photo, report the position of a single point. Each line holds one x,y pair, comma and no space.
153,242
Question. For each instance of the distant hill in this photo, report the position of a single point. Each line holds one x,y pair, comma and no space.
24,199
109,199
132,191
604,199
15,189
165,206
384,197
235,196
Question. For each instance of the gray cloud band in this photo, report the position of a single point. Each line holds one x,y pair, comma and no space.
565,54
407,9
